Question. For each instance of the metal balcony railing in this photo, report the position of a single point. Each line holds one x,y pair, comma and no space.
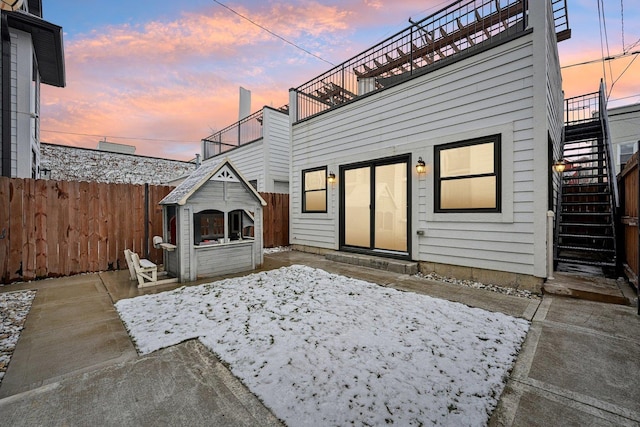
581,109
465,26
246,130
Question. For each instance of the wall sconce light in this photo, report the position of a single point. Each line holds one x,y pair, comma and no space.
331,178
559,165
421,166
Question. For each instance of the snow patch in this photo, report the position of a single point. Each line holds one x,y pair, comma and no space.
323,349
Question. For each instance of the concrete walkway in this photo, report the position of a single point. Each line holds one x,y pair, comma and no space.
75,364
579,366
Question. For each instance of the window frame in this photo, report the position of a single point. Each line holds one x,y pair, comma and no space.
304,192
496,139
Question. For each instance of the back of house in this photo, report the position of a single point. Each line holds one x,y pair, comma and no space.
436,145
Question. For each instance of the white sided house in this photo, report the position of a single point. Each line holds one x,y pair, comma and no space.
32,54
436,145
624,125
212,224
259,146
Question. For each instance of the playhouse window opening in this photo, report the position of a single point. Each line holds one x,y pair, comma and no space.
467,176
171,224
209,227
314,190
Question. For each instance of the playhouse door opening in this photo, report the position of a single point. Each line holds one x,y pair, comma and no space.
375,209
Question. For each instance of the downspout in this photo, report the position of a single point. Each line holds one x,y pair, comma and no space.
6,97
146,221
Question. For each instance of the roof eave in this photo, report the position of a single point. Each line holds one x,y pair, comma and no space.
47,43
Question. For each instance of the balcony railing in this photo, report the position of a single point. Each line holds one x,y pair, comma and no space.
581,109
240,133
246,130
463,27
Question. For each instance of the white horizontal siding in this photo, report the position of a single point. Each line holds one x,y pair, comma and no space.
248,160
224,259
266,159
470,98
276,135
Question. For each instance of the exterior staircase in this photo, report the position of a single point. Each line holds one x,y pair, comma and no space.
585,231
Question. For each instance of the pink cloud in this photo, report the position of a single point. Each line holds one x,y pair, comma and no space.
178,79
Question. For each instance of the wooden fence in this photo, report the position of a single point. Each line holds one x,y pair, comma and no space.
276,220
630,205
60,228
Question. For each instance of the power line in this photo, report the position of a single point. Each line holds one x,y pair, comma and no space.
608,58
116,137
621,74
274,34
622,21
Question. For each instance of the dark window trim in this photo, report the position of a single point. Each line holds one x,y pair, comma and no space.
304,192
497,172
403,158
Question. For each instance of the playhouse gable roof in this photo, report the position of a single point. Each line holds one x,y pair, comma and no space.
223,170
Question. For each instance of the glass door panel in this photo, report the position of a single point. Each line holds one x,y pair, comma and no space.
357,216
391,207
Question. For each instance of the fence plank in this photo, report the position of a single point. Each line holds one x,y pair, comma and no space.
75,208
113,230
93,226
103,227
53,211
15,230
83,231
41,228
5,218
63,228
28,231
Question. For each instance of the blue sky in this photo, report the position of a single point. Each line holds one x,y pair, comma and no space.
161,74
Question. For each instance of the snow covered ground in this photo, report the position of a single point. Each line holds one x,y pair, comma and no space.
14,307
323,349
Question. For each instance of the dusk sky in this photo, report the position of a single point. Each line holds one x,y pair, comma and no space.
162,75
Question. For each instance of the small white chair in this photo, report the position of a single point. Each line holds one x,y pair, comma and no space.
145,270
132,270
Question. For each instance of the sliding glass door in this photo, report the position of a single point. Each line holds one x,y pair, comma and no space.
375,206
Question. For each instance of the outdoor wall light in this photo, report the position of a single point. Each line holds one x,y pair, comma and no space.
559,165
331,178
421,166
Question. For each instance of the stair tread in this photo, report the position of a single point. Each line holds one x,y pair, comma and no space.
581,224
581,261
586,248
583,236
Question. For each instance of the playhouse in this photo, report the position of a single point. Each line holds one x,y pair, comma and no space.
212,224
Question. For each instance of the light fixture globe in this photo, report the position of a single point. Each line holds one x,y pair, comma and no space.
331,179
11,5
559,165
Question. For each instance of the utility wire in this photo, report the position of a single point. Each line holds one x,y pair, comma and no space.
608,58
115,137
621,74
273,34
622,21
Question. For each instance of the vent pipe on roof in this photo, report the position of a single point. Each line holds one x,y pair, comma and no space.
245,103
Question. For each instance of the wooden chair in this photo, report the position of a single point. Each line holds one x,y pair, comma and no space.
145,270
132,270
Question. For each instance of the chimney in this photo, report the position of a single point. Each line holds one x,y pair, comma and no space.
245,103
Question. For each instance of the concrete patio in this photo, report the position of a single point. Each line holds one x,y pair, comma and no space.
75,364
